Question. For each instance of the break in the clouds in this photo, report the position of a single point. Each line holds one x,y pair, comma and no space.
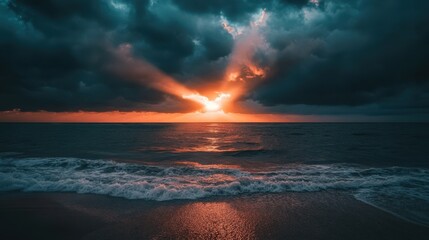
317,57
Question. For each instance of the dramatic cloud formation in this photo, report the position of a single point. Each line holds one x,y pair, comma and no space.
290,56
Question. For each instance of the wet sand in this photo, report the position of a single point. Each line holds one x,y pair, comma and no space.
323,215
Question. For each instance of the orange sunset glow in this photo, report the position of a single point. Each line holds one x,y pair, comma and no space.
215,105
240,76
135,117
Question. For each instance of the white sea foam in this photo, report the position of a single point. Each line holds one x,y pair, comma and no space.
408,187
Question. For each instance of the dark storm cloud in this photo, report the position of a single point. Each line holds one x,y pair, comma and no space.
335,56
350,53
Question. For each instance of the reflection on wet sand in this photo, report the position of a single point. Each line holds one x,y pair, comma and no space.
295,216
215,220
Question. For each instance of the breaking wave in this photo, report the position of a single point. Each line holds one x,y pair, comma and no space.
400,190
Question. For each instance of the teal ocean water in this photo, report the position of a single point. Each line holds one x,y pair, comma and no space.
383,164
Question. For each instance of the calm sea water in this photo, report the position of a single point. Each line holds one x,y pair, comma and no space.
383,164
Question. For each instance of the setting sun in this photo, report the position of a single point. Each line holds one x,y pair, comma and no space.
214,105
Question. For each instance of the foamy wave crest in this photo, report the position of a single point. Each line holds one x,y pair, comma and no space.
135,181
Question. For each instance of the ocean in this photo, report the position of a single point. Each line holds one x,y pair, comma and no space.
385,165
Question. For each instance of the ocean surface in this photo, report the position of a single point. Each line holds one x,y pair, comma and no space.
383,164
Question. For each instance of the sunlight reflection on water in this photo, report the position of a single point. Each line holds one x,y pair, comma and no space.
214,138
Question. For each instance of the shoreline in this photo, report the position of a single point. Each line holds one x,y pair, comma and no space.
392,213
316,215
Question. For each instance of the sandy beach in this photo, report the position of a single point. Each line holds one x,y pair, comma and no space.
323,215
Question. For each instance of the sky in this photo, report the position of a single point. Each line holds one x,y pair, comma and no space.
214,60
